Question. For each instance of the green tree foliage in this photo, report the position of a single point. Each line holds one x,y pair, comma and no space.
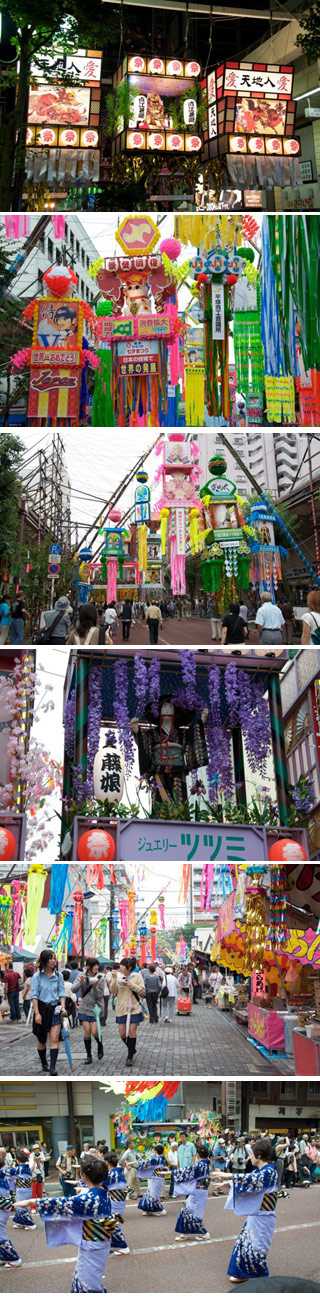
309,39
11,453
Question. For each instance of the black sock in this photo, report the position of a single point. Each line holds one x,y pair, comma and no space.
131,1046
43,1059
87,1045
53,1059
134,1044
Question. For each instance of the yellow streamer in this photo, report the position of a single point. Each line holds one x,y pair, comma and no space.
164,517
194,390
37,876
142,547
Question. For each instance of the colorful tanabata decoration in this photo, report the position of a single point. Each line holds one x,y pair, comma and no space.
157,100
179,504
59,355
112,555
266,557
144,329
225,558
37,876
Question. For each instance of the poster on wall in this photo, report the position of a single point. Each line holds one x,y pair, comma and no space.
59,105
58,325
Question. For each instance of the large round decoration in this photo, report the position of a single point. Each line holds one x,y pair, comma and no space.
287,850
8,844
96,844
58,280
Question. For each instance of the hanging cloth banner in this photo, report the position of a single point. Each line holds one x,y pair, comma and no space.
77,922
16,225
218,316
37,876
58,879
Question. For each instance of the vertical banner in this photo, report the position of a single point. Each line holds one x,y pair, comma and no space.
55,374
218,324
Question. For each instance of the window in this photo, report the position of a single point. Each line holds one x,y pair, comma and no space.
83,256
71,239
78,248
82,287
50,249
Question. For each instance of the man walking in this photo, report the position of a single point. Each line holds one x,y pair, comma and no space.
12,982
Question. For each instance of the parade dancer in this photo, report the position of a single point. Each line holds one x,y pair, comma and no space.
9,1257
152,1169
254,1196
86,1218
195,1180
117,1190
21,1177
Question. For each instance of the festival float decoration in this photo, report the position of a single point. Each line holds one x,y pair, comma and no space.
112,555
83,583
144,341
63,121
225,557
250,122
178,505
60,355
155,106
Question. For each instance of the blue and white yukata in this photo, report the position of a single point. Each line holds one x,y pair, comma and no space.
151,1169
194,1184
117,1189
8,1254
253,1196
87,1221
21,1177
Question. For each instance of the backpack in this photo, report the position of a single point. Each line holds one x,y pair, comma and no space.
315,637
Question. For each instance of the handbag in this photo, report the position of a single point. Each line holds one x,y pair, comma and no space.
44,635
164,992
315,637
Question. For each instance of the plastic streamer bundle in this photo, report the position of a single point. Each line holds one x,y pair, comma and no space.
142,547
58,878
102,409
248,351
37,876
6,937
194,394
270,318
77,922
280,399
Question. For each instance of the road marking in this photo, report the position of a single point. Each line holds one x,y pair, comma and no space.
175,1245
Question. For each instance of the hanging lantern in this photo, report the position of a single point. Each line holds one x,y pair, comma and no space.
287,850
190,112
8,844
96,844
108,771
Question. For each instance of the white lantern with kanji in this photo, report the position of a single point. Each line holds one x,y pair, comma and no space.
108,769
190,112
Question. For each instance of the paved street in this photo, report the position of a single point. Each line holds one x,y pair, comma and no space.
208,1042
158,1263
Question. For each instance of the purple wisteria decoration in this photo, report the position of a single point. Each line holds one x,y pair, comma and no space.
220,774
69,723
154,685
232,693
140,684
121,713
94,721
255,721
189,678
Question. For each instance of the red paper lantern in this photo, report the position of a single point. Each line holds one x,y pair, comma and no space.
8,844
287,850
96,845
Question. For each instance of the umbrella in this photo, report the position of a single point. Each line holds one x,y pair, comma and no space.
67,1045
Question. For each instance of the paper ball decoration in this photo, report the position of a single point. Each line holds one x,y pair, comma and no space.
96,844
58,280
170,247
8,844
287,850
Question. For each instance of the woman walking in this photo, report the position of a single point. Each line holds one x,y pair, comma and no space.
48,999
89,986
254,1196
128,986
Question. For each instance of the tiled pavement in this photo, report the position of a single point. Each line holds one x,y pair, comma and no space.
209,1043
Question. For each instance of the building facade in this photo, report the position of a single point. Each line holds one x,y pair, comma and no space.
300,698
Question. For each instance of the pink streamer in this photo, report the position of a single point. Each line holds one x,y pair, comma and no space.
209,876
17,225
58,224
124,918
17,913
161,915
112,573
178,570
